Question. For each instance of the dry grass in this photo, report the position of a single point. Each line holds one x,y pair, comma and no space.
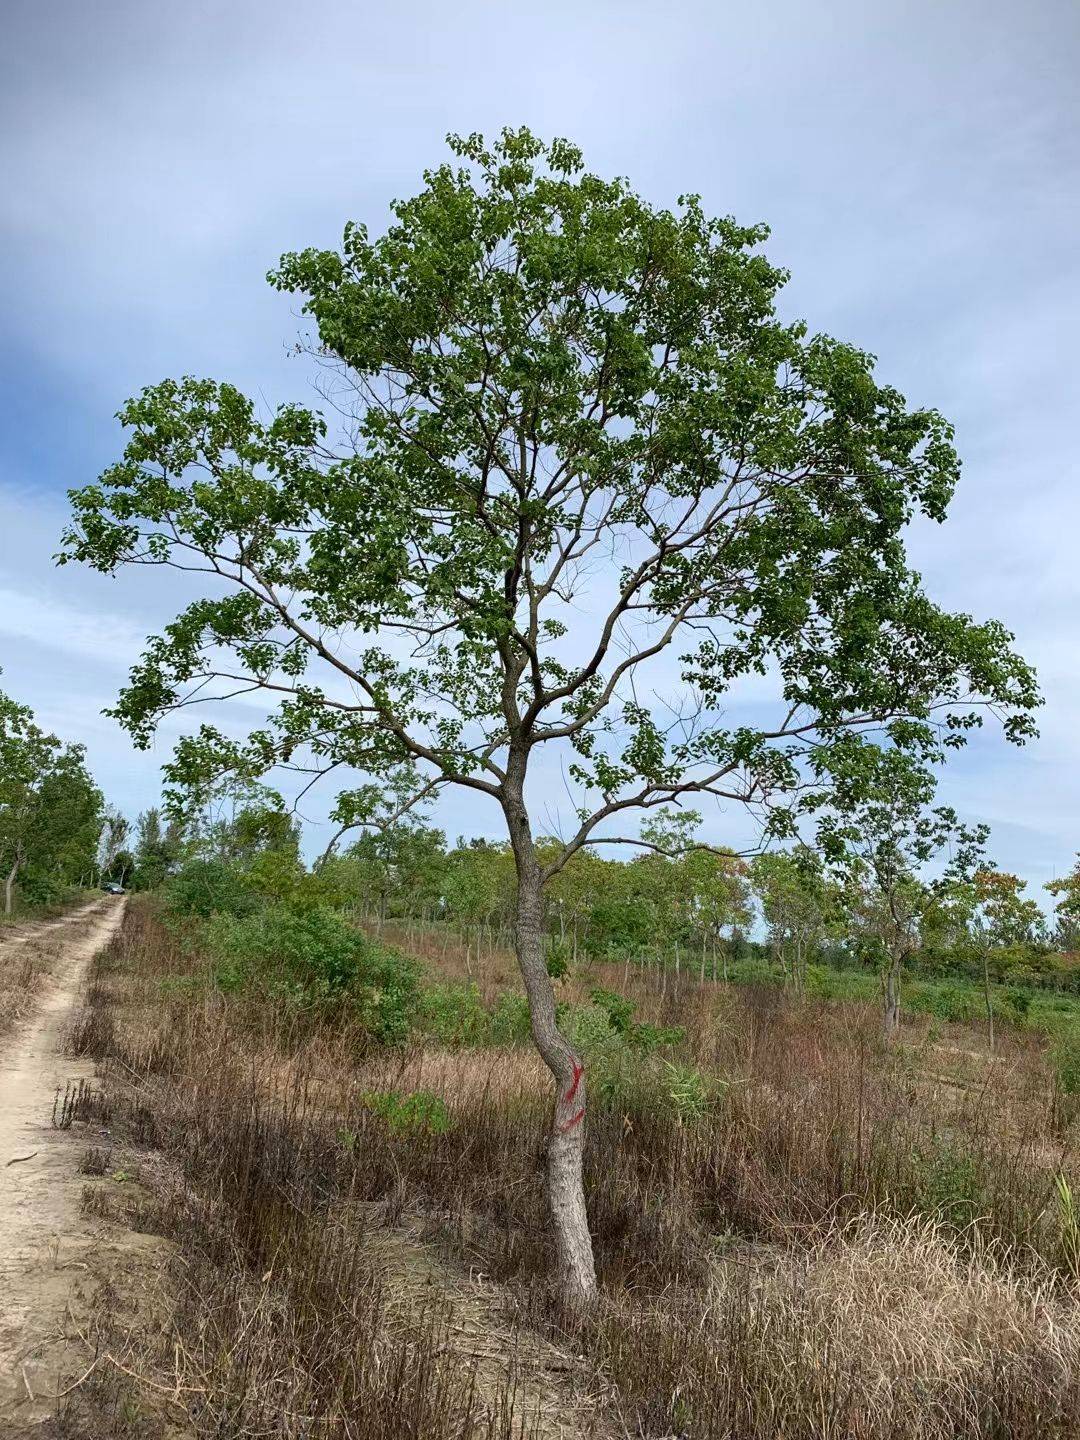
877,1329
21,970
919,1307
850,1243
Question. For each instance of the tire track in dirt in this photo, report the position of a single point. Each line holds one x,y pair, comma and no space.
45,1241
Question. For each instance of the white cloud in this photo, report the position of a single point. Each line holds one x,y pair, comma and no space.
919,163
33,616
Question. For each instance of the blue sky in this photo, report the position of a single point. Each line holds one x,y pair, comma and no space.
919,164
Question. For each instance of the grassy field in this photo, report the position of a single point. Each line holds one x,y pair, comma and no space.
799,1231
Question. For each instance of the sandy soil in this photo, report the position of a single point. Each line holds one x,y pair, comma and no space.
46,1244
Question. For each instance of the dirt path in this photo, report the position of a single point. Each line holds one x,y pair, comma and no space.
44,1238
34,930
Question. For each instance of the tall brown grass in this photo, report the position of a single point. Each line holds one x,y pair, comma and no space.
849,1242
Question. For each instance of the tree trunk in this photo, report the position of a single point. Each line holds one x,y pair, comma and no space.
892,999
9,882
989,1000
565,1181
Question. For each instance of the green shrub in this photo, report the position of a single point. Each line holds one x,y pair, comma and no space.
613,1067
38,887
390,990
620,1017
558,962
587,1027
312,951
418,1112
312,955
621,1062
617,1008
453,1014
207,887
947,1000
947,1182
509,1022
1019,999
648,1038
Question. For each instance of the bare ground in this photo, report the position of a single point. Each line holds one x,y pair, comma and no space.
48,1248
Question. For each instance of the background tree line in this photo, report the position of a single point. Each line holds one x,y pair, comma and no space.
51,812
692,910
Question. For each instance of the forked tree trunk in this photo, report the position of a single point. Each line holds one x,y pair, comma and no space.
892,999
565,1179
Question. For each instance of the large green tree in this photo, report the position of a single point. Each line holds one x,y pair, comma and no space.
575,460
1066,893
159,844
899,857
50,809
798,904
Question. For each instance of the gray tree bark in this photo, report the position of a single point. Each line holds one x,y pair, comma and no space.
565,1177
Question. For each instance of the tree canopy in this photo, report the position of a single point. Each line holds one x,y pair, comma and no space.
569,458
555,399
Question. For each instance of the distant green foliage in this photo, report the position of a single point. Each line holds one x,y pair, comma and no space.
953,999
50,810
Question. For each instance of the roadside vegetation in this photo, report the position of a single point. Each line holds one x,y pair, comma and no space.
335,1112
